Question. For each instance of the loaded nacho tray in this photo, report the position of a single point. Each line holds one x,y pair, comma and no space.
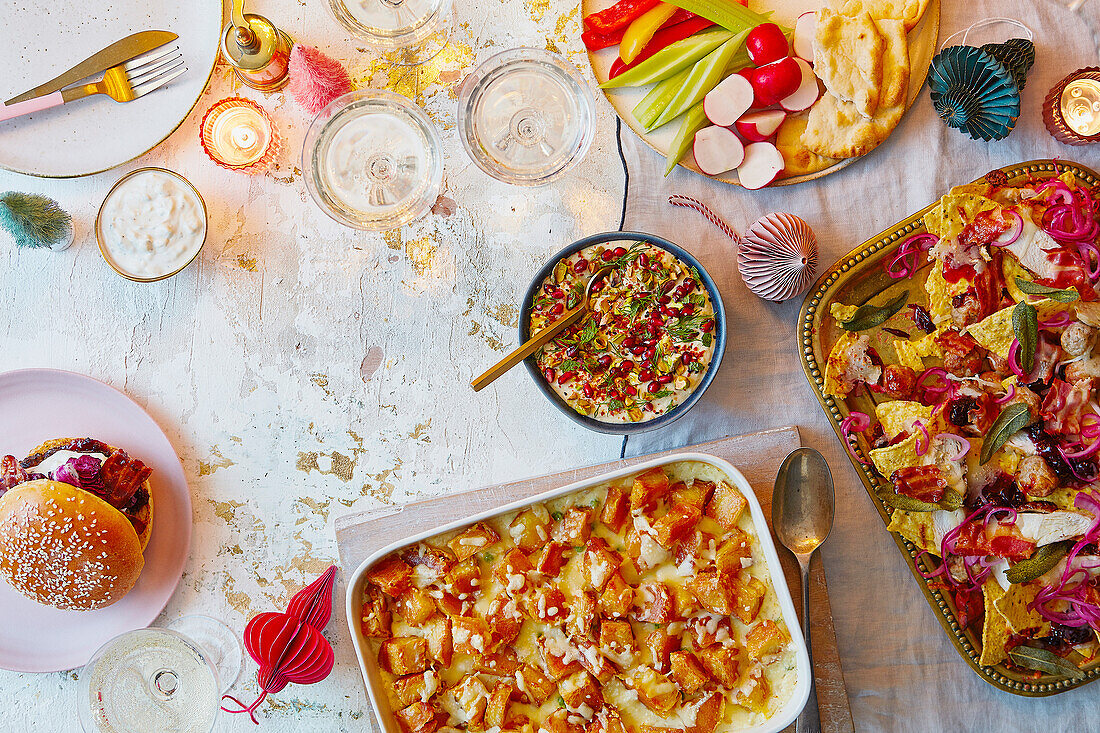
958,357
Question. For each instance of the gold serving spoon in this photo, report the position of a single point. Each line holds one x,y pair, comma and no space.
532,344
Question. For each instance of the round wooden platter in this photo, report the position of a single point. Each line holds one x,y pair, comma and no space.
922,47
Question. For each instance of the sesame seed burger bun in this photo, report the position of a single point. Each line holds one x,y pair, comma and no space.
145,514
65,547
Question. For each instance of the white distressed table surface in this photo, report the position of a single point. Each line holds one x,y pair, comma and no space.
303,370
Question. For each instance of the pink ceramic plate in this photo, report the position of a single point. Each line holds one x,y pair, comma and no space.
39,404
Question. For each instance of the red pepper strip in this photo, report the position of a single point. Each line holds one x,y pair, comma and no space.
619,15
594,41
668,35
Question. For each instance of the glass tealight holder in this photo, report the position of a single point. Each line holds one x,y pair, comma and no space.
525,116
373,160
404,32
237,134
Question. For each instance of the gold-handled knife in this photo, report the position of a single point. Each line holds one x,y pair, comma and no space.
115,54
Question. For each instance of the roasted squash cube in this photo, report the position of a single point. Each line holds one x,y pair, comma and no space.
412,687
616,509
695,495
653,603
707,712
646,728
475,539
709,629
465,579
448,603
643,550
391,574
471,696
617,598
690,549
581,689
713,591
684,603
558,657
439,640
755,691
647,488
721,663
617,642
403,655
655,691
470,635
584,615
537,686
748,595
547,605
763,639
607,720
375,617
598,563
512,571
687,673
530,531
726,505
661,644
734,549
591,659
420,717
415,606
496,710
675,525
560,721
505,621
433,562
503,663
575,527
552,558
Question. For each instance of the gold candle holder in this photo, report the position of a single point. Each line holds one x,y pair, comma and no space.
1071,110
237,135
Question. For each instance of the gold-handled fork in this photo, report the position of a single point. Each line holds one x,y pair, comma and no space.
123,83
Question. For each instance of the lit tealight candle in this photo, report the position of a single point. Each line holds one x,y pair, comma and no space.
238,135
1072,109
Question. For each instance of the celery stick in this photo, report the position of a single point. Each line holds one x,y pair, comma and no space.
704,76
671,59
727,13
654,103
694,120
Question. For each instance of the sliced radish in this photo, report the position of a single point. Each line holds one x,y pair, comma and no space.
766,43
807,93
729,100
804,30
762,163
746,74
777,80
759,126
717,150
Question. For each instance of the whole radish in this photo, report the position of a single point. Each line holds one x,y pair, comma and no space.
777,80
766,43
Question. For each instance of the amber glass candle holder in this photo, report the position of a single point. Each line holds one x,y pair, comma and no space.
1071,110
237,135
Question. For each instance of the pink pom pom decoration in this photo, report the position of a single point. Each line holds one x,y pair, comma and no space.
316,79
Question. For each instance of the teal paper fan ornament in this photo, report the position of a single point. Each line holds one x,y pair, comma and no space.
1017,55
974,92
33,220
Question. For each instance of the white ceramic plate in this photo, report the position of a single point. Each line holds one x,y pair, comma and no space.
43,39
39,404
779,720
922,47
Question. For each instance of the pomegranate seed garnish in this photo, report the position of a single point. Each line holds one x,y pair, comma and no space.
638,350
668,286
607,255
653,388
550,374
587,389
645,375
628,342
664,379
626,366
631,390
687,357
580,265
566,377
620,251
605,361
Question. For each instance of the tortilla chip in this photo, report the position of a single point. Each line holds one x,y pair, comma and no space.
797,159
1013,607
995,331
892,457
1012,270
956,209
848,50
911,353
994,629
842,312
1064,498
897,417
915,527
940,292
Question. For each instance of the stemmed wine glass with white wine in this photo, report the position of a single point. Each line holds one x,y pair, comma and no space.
160,679
406,32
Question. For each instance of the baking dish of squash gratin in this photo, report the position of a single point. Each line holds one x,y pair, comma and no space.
648,600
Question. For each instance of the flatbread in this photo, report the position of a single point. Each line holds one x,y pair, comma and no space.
848,51
909,11
838,129
797,159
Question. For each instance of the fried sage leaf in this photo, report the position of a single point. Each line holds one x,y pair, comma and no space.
951,501
1025,324
1012,420
1067,295
868,316
1043,560
1042,660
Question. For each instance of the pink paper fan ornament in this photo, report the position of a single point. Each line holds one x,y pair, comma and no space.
316,79
289,647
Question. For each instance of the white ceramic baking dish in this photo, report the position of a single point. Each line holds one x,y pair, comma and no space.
782,718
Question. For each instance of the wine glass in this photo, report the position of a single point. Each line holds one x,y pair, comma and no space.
373,160
405,32
160,679
525,116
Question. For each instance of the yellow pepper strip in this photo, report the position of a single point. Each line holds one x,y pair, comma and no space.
640,32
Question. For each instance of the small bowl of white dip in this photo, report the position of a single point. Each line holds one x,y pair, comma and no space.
151,225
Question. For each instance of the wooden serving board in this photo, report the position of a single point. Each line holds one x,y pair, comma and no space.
758,456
